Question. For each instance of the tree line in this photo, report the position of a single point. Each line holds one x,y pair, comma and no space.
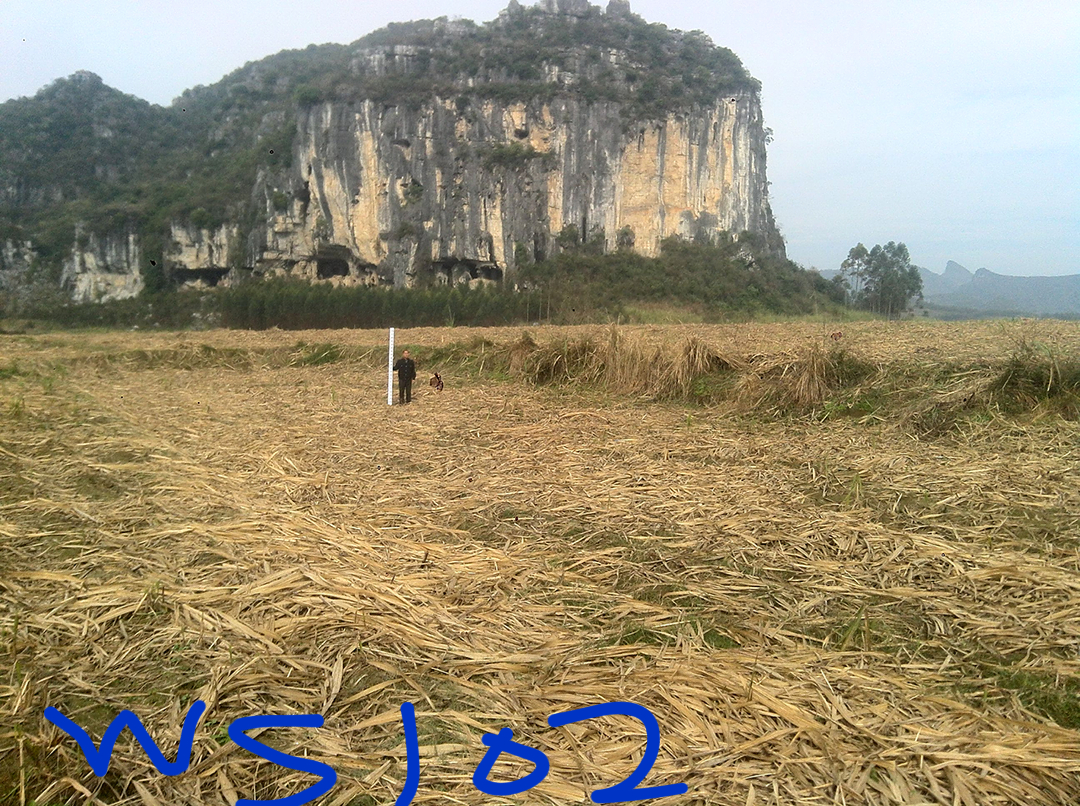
881,280
298,305
715,281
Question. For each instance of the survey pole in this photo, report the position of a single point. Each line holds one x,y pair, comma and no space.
390,372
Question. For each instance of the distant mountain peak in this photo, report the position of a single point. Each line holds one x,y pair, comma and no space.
955,276
1004,294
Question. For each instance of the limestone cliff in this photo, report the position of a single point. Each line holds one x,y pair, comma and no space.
429,151
441,187
96,268
103,267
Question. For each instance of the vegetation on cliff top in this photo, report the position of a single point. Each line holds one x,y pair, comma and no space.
619,57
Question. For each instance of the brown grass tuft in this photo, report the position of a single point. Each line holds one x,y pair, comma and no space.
801,379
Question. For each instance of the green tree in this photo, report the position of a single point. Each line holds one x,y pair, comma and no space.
569,238
883,279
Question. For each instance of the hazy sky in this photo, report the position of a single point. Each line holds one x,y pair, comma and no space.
951,126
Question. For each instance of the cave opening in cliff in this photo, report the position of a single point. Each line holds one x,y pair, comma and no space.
451,271
489,272
442,271
454,271
332,267
203,277
332,261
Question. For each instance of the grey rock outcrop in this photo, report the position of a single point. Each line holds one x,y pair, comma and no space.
103,267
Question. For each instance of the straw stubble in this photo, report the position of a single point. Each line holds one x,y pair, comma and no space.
816,612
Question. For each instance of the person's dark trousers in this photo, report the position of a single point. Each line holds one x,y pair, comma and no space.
404,390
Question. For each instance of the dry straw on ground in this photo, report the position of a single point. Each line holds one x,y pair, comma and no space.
818,609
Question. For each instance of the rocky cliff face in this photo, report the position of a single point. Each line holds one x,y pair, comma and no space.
478,189
456,182
103,267
96,269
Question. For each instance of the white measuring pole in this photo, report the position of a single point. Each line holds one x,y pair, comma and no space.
390,372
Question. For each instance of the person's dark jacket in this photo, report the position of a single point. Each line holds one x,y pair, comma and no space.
406,369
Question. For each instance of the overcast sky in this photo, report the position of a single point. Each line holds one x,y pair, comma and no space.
951,126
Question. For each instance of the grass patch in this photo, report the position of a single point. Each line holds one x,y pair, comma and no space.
1036,378
636,635
719,640
315,355
1054,699
476,358
96,485
363,800
656,592
621,365
1037,375
202,356
16,408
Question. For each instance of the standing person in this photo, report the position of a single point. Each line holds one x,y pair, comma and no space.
406,371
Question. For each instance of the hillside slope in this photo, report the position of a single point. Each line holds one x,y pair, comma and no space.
1042,296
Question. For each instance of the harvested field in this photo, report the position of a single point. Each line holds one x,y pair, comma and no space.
838,571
